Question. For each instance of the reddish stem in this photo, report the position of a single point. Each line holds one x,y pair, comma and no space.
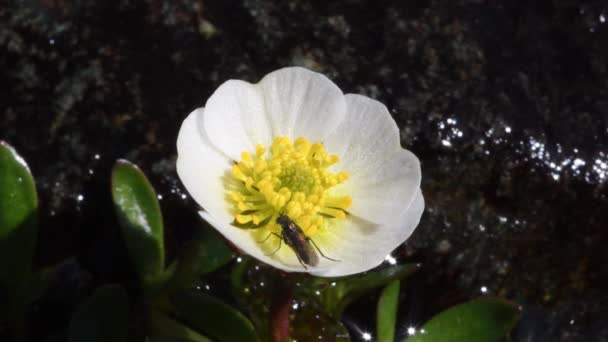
280,310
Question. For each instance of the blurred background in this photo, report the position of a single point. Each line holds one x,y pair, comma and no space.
504,102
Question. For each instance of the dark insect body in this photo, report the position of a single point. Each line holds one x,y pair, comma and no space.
301,244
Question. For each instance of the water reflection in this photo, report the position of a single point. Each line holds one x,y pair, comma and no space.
552,158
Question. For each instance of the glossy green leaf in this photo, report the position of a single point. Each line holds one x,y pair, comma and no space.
168,329
170,339
18,232
386,314
344,291
205,253
141,221
479,320
102,317
18,213
213,318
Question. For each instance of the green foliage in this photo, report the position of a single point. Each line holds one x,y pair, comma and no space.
18,214
204,254
168,328
18,233
101,318
386,314
345,290
172,339
480,320
213,317
141,221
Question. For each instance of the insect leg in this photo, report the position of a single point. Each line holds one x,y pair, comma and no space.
319,250
280,241
269,235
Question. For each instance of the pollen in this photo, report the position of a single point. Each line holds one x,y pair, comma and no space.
288,179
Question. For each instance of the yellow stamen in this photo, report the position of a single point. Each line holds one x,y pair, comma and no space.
288,179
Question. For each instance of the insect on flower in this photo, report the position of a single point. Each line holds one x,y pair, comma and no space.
301,244
294,157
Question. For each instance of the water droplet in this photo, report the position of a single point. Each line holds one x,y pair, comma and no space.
390,259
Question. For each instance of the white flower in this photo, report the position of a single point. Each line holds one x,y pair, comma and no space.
294,146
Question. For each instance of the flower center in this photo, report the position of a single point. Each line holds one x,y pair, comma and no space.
291,179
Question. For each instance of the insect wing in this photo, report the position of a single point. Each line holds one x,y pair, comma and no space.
294,237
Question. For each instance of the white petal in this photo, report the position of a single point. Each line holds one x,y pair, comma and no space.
380,191
302,103
362,245
367,134
383,176
201,167
235,119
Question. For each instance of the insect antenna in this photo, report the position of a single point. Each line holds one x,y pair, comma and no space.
319,250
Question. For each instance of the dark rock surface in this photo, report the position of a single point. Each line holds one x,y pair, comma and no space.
505,103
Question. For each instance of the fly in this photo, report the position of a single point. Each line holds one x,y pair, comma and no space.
301,244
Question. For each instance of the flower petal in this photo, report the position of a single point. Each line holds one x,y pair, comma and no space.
235,119
201,167
380,191
302,103
383,176
368,134
362,245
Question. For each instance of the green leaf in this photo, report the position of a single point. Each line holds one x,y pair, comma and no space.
18,215
102,317
479,320
169,329
213,318
141,221
344,291
18,233
170,339
205,253
387,312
